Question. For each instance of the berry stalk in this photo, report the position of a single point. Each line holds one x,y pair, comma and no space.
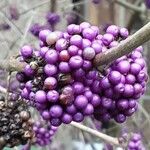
107,138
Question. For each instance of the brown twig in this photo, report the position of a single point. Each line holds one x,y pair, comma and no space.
53,6
53,9
125,47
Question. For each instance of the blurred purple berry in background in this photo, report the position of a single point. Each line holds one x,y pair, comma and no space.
52,18
36,28
14,14
96,1
147,3
136,142
72,18
4,26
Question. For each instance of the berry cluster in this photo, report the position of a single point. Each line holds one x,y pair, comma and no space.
136,143
43,135
62,82
15,124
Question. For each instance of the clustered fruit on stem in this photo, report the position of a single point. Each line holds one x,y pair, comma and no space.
135,142
60,79
43,133
62,82
132,142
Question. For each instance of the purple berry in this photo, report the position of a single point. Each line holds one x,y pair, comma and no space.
81,102
76,62
113,29
88,53
114,77
78,88
123,66
50,83
40,96
43,35
76,40
26,51
89,34
56,111
52,96
66,118
50,70
78,117
51,56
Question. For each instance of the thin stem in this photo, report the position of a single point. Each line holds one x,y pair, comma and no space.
53,6
8,89
14,43
129,5
27,28
13,25
53,9
124,47
107,138
35,7
145,113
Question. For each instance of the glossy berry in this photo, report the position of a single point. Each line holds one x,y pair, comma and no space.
26,51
